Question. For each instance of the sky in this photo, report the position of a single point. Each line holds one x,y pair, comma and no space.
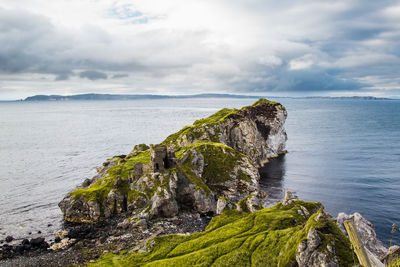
255,47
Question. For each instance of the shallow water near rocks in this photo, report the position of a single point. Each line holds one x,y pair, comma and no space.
343,153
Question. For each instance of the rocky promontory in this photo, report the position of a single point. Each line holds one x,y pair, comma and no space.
195,200
202,168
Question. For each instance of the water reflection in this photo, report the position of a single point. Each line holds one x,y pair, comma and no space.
272,175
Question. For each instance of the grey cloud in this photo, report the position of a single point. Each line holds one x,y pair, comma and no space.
62,77
306,80
118,76
30,43
93,75
315,80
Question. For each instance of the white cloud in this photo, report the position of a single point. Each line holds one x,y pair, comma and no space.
301,63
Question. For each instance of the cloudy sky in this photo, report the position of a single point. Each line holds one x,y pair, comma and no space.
259,47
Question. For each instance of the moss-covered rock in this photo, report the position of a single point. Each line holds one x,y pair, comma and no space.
277,236
215,157
256,131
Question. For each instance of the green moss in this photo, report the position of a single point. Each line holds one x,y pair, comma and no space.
219,163
141,147
197,130
173,138
187,170
226,217
133,195
216,117
264,101
243,176
97,192
123,170
243,205
269,237
396,263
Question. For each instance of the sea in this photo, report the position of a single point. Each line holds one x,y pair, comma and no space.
343,153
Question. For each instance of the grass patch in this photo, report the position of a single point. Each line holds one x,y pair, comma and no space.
216,117
263,101
269,237
123,170
219,161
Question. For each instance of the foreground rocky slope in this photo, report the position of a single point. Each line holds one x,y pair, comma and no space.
203,168
292,233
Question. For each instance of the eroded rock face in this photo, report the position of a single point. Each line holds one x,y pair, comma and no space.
258,132
367,233
215,157
309,252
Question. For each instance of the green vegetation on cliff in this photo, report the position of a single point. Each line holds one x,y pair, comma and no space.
219,164
122,170
195,152
263,101
269,237
220,161
197,130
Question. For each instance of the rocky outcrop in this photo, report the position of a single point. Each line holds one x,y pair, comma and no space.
366,230
189,171
256,131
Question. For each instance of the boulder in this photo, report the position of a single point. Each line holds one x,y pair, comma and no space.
38,242
63,244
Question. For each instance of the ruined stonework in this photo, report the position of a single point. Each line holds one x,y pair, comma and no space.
189,171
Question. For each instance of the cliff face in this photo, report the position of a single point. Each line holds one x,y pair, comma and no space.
202,168
256,131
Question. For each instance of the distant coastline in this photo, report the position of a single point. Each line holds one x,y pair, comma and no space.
348,97
107,97
91,97
127,97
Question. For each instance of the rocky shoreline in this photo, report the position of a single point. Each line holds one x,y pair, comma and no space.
160,196
82,243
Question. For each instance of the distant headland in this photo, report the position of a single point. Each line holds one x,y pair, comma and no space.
127,97
91,97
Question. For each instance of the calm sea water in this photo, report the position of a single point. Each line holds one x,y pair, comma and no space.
343,153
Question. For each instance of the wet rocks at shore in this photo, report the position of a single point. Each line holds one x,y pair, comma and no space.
9,239
25,247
